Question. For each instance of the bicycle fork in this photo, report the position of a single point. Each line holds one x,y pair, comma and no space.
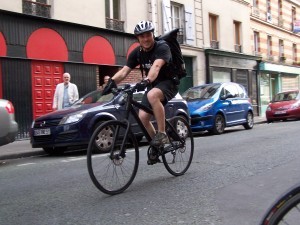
122,151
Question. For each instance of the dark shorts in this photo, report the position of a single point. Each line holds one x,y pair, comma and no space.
168,87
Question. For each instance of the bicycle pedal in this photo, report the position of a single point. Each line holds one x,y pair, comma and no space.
152,162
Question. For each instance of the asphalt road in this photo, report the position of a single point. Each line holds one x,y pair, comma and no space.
233,179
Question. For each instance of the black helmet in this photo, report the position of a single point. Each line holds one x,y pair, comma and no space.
143,26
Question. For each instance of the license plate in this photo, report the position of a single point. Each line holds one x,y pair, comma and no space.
280,112
41,132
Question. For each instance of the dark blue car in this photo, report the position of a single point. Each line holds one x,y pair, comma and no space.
215,106
65,129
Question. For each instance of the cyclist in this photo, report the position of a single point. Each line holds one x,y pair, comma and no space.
153,57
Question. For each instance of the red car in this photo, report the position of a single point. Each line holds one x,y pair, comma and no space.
285,105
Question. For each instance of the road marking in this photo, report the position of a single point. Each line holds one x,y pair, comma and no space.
72,159
26,164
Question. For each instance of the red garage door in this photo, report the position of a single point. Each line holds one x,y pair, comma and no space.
45,77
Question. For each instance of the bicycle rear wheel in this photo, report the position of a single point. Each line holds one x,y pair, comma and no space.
112,170
285,210
177,157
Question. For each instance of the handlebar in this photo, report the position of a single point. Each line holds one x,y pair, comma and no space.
127,88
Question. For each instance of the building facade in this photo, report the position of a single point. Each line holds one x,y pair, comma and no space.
227,45
275,37
42,39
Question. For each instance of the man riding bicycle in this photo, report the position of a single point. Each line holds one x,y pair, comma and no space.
154,58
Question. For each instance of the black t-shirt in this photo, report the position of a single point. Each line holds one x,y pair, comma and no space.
160,50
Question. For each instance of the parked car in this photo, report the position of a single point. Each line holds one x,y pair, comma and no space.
213,107
285,105
72,127
8,125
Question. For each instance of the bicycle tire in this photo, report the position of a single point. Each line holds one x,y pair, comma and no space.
285,210
112,175
178,160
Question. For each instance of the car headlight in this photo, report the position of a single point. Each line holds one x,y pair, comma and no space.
295,105
73,118
269,108
205,107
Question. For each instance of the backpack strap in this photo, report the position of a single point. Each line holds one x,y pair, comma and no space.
139,60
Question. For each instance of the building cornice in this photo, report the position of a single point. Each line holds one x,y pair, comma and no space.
274,26
244,2
211,51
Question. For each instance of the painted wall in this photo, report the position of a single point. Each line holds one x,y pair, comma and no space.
11,5
279,28
236,11
88,12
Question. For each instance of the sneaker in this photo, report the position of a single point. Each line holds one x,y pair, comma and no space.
159,139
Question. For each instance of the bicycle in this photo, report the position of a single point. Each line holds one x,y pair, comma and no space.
113,152
285,210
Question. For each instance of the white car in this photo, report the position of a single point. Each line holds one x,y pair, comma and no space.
8,125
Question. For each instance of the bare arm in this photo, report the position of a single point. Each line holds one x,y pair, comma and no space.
121,74
155,68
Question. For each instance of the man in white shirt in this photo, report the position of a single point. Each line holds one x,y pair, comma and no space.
66,93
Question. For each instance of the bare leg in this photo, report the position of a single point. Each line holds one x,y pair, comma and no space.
145,118
155,96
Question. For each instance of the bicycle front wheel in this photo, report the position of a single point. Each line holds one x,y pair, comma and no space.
177,157
112,169
285,210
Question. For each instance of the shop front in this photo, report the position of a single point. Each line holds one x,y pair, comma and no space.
274,78
225,66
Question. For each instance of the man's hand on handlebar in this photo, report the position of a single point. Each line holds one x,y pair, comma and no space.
108,88
142,85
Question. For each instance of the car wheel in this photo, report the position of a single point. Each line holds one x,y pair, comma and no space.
249,121
55,150
104,138
219,124
269,121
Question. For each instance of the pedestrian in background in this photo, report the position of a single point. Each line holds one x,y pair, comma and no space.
106,79
66,93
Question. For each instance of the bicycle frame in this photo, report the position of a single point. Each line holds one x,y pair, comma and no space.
129,108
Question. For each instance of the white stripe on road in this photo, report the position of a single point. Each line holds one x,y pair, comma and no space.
26,164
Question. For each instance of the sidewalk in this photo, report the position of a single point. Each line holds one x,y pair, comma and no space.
22,148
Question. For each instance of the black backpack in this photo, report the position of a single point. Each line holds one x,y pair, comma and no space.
177,66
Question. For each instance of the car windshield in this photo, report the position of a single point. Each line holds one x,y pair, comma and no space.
286,96
93,97
201,92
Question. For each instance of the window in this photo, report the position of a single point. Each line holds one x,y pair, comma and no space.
237,36
255,3
280,18
256,43
281,51
36,8
269,15
213,31
293,16
295,53
269,6
113,15
269,48
255,10
178,20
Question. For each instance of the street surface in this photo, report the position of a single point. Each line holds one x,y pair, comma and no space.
233,179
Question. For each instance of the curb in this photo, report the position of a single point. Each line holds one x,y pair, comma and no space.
10,154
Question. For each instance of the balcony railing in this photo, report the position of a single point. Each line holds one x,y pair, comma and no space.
114,24
238,48
280,22
36,8
257,53
282,58
214,44
255,12
270,58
